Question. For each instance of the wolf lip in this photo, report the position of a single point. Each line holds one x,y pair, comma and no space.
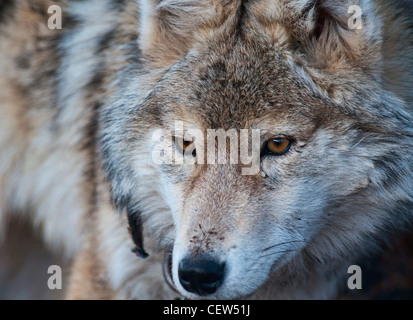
167,268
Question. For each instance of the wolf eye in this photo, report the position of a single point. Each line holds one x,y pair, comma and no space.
185,147
277,146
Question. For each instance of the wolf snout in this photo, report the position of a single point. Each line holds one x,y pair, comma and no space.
201,275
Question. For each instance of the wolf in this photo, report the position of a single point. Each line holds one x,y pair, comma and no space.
327,84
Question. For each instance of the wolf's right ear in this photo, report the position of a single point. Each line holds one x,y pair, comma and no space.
169,28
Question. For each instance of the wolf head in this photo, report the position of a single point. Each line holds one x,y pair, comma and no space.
334,143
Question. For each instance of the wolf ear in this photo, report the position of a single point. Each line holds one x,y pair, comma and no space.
343,32
168,28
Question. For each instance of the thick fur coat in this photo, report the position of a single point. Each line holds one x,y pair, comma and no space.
79,108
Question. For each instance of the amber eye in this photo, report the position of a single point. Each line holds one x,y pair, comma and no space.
278,146
185,147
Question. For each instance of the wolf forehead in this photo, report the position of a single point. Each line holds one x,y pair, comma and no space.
234,84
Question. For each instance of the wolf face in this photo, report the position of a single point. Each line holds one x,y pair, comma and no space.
333,141
256,147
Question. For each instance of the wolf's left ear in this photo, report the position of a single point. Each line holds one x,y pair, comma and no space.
168,28
331,35
339,33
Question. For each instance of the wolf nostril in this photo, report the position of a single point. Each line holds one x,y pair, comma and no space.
201,275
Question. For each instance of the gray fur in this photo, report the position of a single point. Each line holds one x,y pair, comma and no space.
289,232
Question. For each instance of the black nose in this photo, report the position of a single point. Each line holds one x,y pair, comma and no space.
201,275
